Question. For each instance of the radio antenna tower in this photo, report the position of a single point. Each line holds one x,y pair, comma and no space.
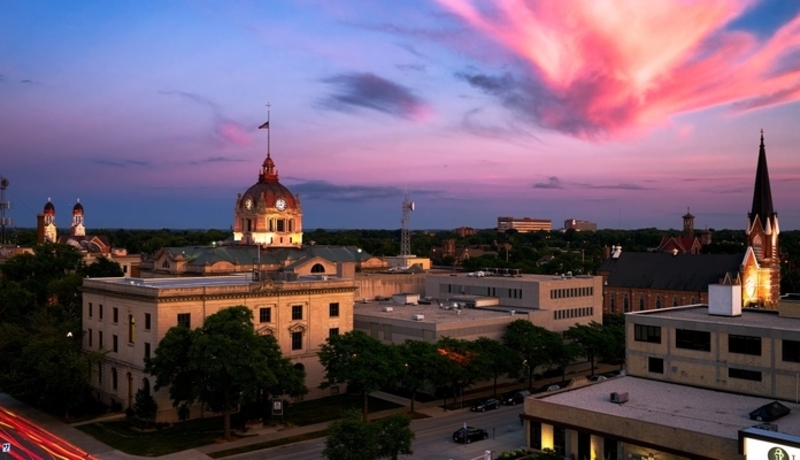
4,221
405,238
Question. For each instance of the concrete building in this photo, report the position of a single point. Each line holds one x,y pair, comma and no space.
128,318
580,225
523,225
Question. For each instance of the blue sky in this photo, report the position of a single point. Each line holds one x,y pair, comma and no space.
609,111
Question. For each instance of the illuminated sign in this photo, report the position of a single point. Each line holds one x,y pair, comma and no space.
765,450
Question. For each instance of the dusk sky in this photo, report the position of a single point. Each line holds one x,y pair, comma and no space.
621,112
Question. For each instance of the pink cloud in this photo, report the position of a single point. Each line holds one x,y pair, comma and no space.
609,67
233,133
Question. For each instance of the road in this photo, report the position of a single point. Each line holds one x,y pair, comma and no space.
434,439
28,441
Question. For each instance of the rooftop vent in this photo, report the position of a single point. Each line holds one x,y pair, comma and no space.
767,426
619,398
617,250
769,412
387,309
418,317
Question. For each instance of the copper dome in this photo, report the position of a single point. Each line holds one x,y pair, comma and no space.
49,209
267,190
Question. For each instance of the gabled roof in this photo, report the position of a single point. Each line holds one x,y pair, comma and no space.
658,270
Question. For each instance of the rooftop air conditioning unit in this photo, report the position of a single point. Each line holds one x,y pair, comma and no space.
387,309
418,317
619,398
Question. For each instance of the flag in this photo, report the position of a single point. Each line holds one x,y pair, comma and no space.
264,126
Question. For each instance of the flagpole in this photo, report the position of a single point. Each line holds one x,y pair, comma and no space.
268,130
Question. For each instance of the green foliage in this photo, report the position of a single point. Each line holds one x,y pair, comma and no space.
144,406
594,341
360,361
535,345
222,364
102,267
421,365
352,438
495,359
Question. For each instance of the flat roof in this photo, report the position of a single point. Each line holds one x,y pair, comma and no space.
523,277
433,313
166,283
677,406
749,317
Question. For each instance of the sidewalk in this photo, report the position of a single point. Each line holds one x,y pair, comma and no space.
101,451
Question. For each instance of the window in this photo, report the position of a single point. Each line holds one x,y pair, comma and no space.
642,333
318,268
333,331
658,301
90,309
146,350
333,309
655,365
265,315
99,339
675,301
131,329
626,306
90,337
641,302
281,225
114,343
297,312
185,319
613,303
113,378
387,332
100,311
693,340
744,344
744,374
100,372
147,321
297,340
791,351
115,314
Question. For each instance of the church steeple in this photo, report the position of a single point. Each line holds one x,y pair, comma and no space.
762,194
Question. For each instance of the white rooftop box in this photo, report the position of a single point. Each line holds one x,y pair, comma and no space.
725,299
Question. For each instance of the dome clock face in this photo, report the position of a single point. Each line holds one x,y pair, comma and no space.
248,204
280,204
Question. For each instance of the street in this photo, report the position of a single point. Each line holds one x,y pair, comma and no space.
434,439
24,440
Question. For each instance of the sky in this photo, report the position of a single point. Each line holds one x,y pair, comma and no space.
620,112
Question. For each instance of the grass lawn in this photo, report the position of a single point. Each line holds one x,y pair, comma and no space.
201,432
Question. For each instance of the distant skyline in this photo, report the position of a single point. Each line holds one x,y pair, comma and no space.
619,112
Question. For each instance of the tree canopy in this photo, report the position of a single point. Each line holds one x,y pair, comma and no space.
222,364
534,344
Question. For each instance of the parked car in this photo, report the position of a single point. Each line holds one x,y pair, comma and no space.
469,434
553,387
486,405
597,378
515,397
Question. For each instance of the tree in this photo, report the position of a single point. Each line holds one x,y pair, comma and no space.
592,340
614,326
102,267
496,359
144,406
222,364
351,439
534,344
461,366
420,365
360,361
394,436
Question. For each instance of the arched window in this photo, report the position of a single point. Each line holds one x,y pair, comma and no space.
113,378
626,307
757,246
675,301
641,302
658,301
693,301
318,268
613,303
165,264
300,367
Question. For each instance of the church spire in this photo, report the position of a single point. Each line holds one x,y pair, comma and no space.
762,194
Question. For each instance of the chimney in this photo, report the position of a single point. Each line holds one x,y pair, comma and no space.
606,253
